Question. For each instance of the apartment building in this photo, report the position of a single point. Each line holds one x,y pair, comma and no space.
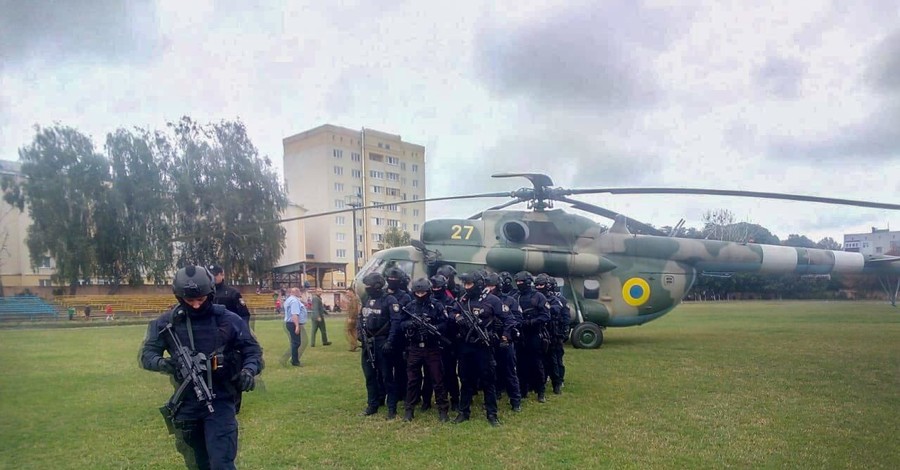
15,265
877,242
331,168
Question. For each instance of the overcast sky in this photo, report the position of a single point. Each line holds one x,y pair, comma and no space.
798,97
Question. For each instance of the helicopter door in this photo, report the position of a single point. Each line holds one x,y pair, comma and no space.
565,288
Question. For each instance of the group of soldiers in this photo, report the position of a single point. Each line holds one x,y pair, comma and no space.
452,336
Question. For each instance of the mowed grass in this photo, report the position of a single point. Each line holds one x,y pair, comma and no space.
761,384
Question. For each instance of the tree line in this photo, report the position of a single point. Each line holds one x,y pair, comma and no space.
149,201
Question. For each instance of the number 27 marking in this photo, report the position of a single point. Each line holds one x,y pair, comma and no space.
457,232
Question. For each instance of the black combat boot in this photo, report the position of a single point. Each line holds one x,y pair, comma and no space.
408,416
460,418
426,405
443,416
369,411
454,404
557,389
516,407
542,398
493,420
392,413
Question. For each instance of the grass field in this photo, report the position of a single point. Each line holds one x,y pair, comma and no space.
761,384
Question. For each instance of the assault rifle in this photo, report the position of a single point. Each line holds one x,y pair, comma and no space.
427,326
368,343
190,368
473,323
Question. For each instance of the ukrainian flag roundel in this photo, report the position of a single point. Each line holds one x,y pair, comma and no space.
635,291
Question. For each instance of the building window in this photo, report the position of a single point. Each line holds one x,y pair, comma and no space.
378,189
338,170
341,253
380,145
339,204
355,157
415,212
376,157
359,223
376,174
415,197
415,227
377,237
415,183
337,153
339,187
392,191
340,236
377,221
340,220
356,173
392,208
393,176
415,168
45,262
393,223
393,161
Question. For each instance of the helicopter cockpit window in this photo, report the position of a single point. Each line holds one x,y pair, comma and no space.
545,233
591,289
405,265
373,265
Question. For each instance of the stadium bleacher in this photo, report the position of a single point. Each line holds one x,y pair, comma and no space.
26,308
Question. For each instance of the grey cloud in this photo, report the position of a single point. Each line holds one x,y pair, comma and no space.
596,55
780,76
884,66
107,30
876,138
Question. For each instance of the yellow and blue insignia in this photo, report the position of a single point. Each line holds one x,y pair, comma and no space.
635,291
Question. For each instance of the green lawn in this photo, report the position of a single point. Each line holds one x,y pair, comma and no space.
761,384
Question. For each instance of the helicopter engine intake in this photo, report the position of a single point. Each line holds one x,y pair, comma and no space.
551,262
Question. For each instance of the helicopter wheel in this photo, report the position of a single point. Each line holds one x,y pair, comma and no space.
587,335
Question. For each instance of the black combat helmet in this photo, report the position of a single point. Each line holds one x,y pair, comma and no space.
394,277
447,271
542,283
553,285
492,280
524,281
477,281
374,283
192,282
421,285
506,282
438,282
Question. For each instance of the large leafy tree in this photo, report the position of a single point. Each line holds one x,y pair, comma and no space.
135,220
225,198
65,182
394,237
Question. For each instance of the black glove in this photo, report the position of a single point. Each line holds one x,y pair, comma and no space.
460,319
387,347
406,324
247,381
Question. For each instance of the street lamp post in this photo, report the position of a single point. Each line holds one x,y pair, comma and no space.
355,202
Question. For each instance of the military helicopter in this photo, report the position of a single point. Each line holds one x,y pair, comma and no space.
627,275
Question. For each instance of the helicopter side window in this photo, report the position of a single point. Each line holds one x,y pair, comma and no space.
373,265
591,289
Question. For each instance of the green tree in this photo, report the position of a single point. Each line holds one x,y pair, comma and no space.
828,243
800,241
226,198
65,180
135,220
394,237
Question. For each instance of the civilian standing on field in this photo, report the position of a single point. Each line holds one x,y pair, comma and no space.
294,319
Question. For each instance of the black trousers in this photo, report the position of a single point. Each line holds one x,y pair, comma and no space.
427,359
476,367
381,382
209,442
531,365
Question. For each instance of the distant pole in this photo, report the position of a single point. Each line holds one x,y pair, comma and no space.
355,202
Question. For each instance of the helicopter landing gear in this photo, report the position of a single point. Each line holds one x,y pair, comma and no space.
587,335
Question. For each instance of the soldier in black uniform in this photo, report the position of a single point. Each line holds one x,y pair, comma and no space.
535,314
440,293
563,329
507,375
229,353
558,318
373,329
229,296
423,346
397,286
449,274
475,313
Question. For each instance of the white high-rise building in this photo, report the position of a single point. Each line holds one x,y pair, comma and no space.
331,168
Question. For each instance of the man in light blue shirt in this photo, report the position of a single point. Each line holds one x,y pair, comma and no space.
295,317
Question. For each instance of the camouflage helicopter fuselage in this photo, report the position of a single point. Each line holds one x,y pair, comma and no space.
612,278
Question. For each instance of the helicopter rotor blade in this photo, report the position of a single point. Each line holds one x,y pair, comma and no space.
639,226
537,179
726,192
501,206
